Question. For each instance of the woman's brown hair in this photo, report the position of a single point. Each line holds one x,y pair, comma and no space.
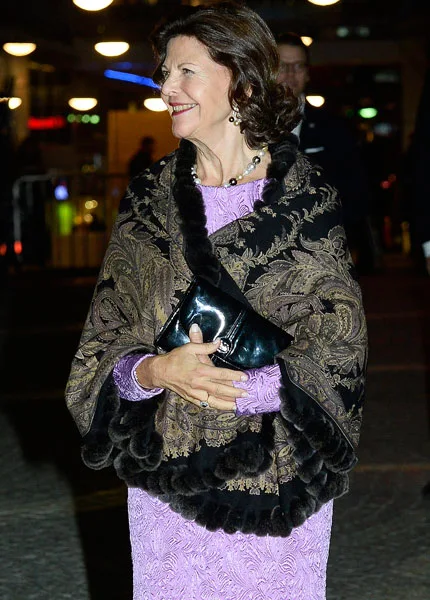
238,38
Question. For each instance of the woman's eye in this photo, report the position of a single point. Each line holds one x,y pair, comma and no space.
187,71
164,75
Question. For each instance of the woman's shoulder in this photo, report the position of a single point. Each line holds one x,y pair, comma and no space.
154,171
153,182
305,177
310,196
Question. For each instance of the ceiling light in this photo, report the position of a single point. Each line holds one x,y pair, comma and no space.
112,48
315,100
82,103
19,49
14,102
155,104
92,4
307,41
323,2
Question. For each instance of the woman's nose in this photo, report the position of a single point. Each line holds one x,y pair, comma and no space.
169,86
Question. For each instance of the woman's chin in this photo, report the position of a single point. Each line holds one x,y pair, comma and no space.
180,132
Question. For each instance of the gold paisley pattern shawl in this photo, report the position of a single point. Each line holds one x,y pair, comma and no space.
290,259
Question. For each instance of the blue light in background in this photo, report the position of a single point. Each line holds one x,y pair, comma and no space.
124,65
130,77
61,192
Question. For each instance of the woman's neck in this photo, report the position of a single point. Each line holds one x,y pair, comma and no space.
217,164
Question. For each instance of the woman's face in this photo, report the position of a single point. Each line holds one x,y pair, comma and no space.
195,90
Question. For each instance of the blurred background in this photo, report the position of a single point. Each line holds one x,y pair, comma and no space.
74,111
72,116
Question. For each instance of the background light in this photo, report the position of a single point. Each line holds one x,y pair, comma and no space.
112,48
131,77
342,31
315,100
14,102
323,2
19,49
368,113
61,192
90,204
43,123
65,217
307,41
384,129
92,4
82,103
155,104
363,31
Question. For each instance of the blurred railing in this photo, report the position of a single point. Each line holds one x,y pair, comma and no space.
64,220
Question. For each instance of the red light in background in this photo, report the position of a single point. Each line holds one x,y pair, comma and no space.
56,122
17,247
3,249
385,185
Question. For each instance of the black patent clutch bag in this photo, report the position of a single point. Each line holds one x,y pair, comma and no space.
248,340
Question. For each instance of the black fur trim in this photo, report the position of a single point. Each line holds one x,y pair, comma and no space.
311,467
99,454
218,517
198,248
198,252
278,521
98,451
240,458
300,510
282,525
312,430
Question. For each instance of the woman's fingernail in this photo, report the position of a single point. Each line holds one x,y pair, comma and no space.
194,328
244,395
244,378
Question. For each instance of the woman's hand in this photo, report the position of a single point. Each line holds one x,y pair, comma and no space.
188,371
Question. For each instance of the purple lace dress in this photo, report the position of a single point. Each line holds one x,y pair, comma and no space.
176,559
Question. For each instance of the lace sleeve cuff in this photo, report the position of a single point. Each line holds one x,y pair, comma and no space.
125,378
263,391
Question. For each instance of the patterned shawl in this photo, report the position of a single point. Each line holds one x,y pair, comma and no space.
264,473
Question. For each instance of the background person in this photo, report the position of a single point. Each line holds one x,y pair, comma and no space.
231,473
143,157
326,140
416,164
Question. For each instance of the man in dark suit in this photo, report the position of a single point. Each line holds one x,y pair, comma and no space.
418,164
326,139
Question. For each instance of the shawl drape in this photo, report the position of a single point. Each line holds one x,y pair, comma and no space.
264,473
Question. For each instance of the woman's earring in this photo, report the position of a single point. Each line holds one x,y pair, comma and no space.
235,118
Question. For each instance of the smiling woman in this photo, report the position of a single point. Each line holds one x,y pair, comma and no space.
231,471
195,89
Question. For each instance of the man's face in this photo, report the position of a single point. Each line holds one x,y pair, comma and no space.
293,71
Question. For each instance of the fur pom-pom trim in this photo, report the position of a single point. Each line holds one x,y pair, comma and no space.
97,450
98,454
316,440
198,247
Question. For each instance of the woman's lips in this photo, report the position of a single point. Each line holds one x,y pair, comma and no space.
179,109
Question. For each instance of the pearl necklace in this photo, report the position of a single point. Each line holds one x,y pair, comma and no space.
234,180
